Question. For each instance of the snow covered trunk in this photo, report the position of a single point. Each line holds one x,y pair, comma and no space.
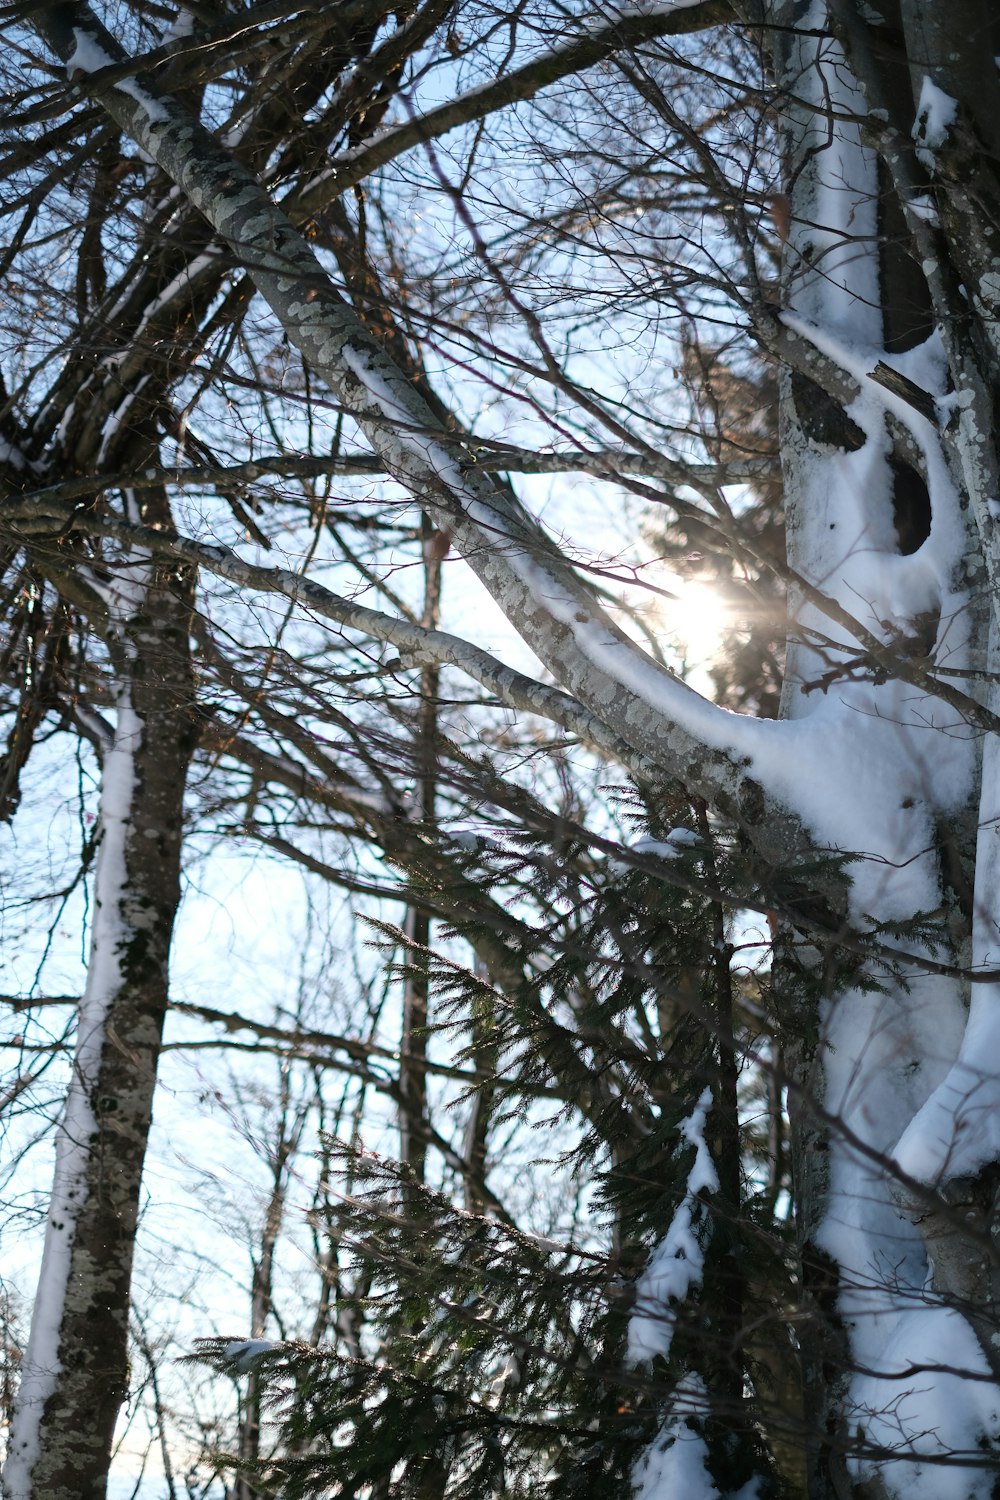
898,1382
75,1370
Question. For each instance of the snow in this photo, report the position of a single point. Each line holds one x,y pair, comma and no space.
116,418
957,1132
181,26
188,274
244,1353
871,768
922,1401
234,136
703,1176
11,455
676,1264
936,112
830,277
935,562
675,1465
88,56
924,207
676,841
876,769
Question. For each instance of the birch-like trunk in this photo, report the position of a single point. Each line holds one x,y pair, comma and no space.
416,989
75,1370
892,1361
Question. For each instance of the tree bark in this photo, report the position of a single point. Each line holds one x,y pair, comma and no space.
75,1369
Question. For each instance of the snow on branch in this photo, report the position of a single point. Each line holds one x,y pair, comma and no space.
420,646
676,1265
654,713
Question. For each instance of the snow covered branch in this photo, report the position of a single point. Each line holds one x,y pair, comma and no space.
651,710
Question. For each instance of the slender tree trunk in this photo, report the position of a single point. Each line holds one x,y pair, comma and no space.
290,1125
413,1072
75,1370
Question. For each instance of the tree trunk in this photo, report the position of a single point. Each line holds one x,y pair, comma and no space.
75,1370
872,1277
416,988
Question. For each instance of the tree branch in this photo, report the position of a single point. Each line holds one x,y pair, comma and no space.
601,42
670,726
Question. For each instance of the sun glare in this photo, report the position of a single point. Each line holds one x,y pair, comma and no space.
694,622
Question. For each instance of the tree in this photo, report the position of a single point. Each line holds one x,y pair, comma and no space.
232,194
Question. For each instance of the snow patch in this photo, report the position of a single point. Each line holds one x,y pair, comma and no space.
936,112
930,1395
88,56
243,1354
677,1263
676,841
676,1462
922,206
957,1132
675,1465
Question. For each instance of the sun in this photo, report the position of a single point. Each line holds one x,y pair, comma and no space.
692,618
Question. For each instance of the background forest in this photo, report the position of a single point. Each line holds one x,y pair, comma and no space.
499,905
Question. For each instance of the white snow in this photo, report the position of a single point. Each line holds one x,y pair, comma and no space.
870,767
675,1465
181,26
957,1132
676,1264
875,768
936,112
11,455
878,765
188,273
88,56
115,419
924,207
244,1353
676,841
833,277
927,1398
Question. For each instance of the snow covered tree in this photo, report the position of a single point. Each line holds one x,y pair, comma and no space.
274,234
